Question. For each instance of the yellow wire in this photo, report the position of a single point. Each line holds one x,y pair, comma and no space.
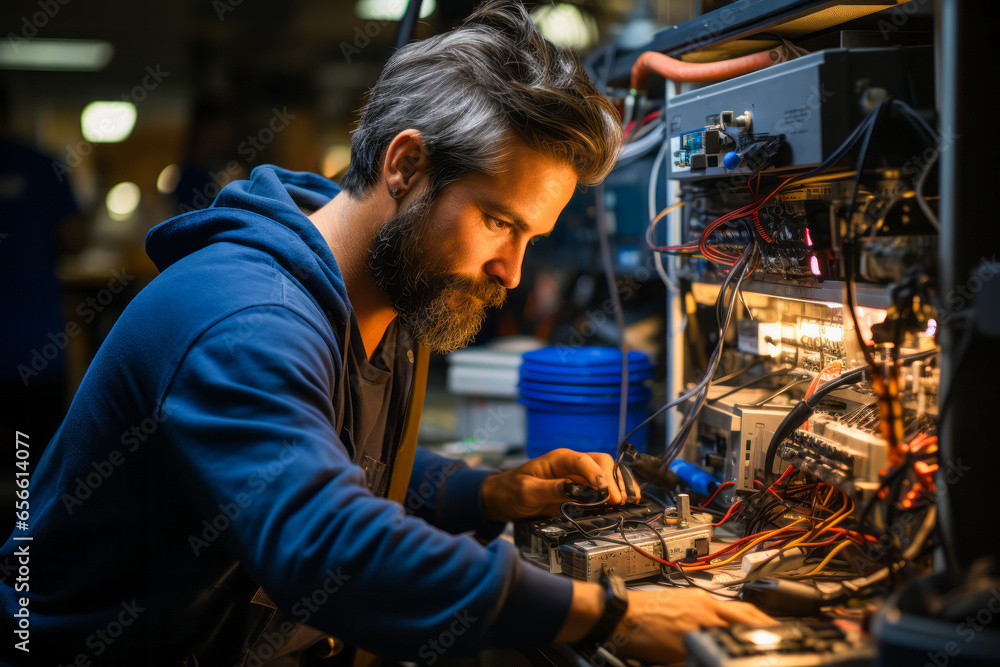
829,557
763,537
828,523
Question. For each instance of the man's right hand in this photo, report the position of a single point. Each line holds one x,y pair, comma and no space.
656,621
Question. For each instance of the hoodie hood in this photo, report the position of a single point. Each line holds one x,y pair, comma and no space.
261,212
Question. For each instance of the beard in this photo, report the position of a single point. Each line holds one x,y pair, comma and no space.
443,309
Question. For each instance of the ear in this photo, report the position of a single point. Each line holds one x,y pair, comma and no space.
405,163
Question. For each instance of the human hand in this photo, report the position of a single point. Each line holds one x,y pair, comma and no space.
654,626
538,486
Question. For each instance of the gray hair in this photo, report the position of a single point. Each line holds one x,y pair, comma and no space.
469,91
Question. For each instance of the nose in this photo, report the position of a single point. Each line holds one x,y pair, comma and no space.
505,266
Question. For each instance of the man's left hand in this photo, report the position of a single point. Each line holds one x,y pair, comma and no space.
538,486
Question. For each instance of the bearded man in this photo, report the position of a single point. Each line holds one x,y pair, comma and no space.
233,484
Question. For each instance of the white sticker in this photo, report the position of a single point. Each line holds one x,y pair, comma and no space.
675,147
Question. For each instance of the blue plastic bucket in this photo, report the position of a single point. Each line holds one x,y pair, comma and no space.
584,428
533,373
572,396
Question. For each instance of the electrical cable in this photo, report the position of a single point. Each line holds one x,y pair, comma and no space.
750,383
743,268
721,258
609,272
695,390
735,374
918,188
632,151
804,408
407,24
795,383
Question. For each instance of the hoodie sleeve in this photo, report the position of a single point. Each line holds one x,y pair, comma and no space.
252,425
448,493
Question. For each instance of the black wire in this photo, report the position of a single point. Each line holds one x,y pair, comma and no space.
407,24
665,556
862,158
747,260
692,582
592,534
777,373
781,391
619,314
735,374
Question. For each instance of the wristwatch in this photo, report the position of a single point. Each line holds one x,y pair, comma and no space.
615,606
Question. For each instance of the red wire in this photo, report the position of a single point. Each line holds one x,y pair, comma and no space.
732,509
723,258
714,494
760,227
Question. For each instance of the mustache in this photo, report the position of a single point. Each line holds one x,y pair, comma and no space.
488,291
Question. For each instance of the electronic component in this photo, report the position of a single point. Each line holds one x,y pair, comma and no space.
555,544
791,644
760,338
583,559
838,453
749,444
802,101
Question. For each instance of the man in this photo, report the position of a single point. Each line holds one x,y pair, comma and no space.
240,426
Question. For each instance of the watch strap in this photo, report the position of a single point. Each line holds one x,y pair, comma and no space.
615,606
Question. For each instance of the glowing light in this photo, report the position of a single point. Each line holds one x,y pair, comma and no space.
390,10
810,329
814,265
565,25
335,159
763,638
107,122
122,200
167,181
931,328
833,334
867,318
79,55
809,238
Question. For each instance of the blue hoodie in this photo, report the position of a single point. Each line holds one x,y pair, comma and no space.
200,459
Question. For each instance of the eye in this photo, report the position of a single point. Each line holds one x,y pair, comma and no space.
496,223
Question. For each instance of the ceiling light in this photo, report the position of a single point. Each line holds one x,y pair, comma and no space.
390,10
81,55
167,181
107,122
122,200
565,25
